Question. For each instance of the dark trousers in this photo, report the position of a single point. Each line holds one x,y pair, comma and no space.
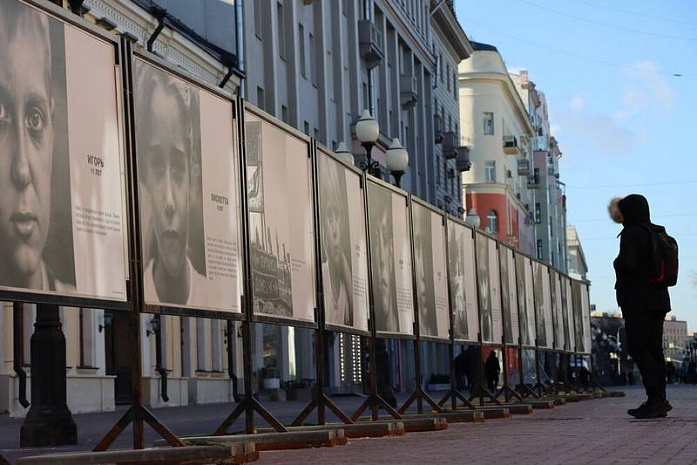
645,344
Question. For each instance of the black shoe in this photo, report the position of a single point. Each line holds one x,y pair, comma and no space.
634,411
658,409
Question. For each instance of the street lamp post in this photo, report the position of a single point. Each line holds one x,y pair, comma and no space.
397,161
473,219
367,131
344,153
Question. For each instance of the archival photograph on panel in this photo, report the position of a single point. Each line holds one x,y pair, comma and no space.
429,263
483,278
509,290
343,240
577,315
526,310
390,250
62,206
568,315
586,318
187,165
279,189
495,292
463,282
543,310
556,287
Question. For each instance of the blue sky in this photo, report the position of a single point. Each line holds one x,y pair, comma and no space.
624,122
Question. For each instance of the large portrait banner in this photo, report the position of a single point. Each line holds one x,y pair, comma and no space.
62,205
509,297
526,299
462,274
568,315
586,317
489,289
556,290
431,272
543,306
343,244
390,252
186,152
279,186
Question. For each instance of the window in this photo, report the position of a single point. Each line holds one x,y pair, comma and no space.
280,20
260,97
314,73
258,18
488,124
490,171
447,77
301,47
284,114
306,128
539,249
493,221
538,213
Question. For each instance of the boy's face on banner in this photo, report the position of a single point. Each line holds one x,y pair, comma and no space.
26,142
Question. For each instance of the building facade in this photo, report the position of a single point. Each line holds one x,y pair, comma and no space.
514,184
674,337
322,63
549,198
494,119
577,266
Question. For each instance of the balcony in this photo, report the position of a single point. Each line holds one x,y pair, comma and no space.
523,167
448,145
534,181
510,145
370,43
462,160
408,90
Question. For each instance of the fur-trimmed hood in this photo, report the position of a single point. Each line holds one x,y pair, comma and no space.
632,209
614,210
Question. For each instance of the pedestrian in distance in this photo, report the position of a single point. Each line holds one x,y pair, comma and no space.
492,369
645,267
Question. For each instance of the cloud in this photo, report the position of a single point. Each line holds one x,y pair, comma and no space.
577,103
646,89
555,130
601,133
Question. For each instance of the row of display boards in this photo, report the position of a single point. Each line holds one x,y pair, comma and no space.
140,171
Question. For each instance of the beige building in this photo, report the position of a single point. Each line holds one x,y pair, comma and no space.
674,336
494,120
578,268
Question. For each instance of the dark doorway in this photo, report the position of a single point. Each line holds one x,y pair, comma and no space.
117,355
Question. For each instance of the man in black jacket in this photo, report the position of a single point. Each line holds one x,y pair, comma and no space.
644,305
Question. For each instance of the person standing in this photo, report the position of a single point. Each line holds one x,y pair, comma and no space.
492,369
644,304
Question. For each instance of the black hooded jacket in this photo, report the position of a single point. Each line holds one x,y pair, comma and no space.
634,292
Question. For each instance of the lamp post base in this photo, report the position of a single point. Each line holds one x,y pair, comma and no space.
49,421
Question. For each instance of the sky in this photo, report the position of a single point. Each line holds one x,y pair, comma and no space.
620,79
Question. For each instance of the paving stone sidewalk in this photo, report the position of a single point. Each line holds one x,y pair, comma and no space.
590,432
593,432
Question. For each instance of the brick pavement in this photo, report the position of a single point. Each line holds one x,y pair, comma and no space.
594,432
590,432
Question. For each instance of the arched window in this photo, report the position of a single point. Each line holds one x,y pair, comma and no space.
492,221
